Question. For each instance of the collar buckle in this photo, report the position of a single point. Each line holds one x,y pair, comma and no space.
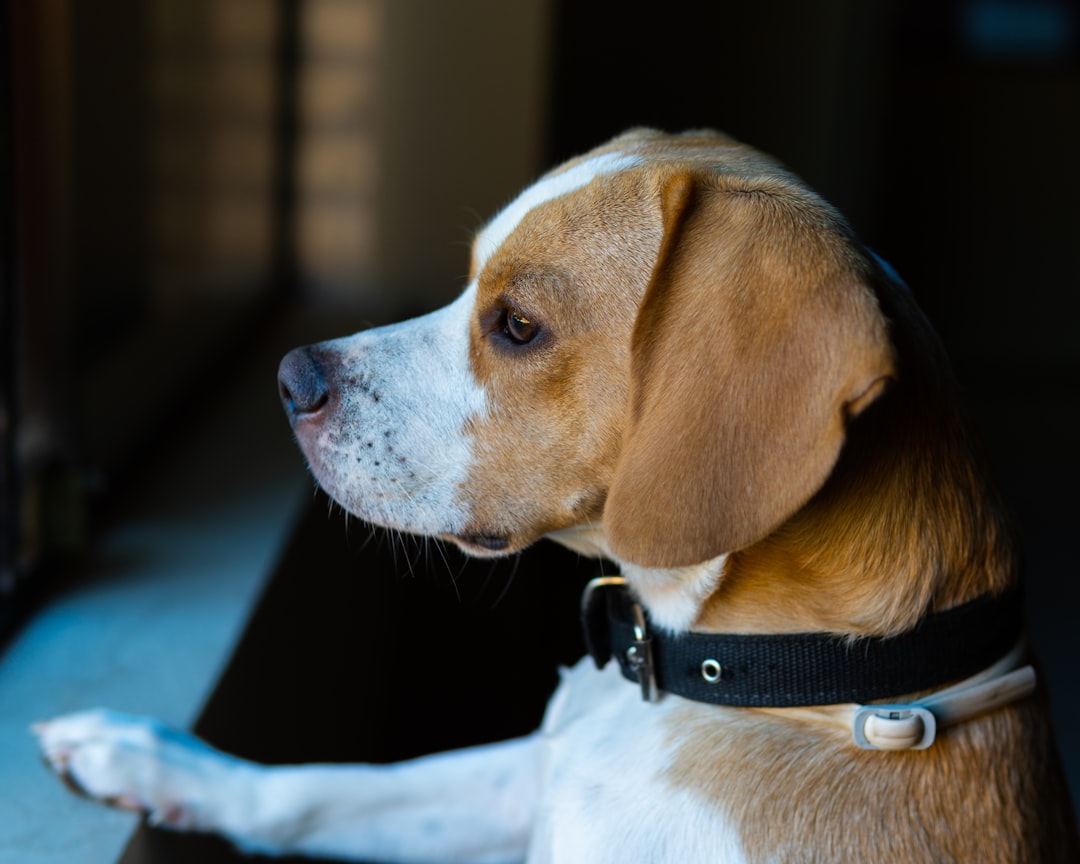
595,621
640,656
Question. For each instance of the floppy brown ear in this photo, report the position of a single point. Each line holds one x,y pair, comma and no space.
757,340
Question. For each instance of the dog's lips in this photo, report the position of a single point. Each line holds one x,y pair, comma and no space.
484,545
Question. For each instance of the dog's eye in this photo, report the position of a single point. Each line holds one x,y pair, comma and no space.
519,328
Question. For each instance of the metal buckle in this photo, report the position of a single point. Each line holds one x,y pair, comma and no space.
640,656
594,618
588,596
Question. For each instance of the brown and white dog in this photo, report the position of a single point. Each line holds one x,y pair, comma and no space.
673,354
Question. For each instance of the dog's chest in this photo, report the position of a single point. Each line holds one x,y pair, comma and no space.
608,787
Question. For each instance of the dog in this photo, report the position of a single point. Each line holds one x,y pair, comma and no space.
673,354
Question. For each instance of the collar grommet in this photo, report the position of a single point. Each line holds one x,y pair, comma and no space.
711,670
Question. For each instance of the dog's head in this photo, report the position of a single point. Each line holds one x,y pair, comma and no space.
659,348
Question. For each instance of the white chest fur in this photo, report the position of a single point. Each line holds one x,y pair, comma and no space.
607,787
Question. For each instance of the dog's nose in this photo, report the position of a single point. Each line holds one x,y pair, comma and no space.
301,383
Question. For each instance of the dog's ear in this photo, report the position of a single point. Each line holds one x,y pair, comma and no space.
756,342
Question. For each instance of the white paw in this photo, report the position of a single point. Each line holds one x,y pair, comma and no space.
139,764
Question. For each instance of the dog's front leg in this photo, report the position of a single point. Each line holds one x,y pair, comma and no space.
474,805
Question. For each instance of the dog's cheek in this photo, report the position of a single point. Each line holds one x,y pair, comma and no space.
527,479
542,454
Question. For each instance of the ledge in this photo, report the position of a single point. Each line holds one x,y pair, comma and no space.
153,620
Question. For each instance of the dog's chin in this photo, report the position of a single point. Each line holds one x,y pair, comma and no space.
474,543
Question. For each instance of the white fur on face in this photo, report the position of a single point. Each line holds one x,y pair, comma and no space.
546,189
395,451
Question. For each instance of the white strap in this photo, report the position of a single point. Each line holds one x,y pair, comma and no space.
914,725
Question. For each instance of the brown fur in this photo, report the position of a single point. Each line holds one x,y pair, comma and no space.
988,791
907,522
762,374
546,459
726,370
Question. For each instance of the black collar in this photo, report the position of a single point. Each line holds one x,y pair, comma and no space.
796,669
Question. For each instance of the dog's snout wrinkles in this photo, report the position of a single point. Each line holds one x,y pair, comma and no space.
301,383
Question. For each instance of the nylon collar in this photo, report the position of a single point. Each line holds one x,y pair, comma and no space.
795,670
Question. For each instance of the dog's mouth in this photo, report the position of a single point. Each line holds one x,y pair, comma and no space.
482,544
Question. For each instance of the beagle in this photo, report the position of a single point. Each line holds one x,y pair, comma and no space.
673,354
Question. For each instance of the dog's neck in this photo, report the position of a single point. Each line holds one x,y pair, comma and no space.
907,523
871,554
673,596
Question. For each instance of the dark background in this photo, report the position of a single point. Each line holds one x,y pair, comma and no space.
946,131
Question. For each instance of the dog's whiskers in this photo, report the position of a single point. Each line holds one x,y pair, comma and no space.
507,583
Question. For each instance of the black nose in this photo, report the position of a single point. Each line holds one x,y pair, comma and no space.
301,383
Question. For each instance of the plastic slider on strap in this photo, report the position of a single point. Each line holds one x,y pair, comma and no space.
914,726
894,727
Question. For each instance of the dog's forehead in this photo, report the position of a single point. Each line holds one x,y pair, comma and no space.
555,185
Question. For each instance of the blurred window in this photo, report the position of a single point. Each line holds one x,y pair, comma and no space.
176,168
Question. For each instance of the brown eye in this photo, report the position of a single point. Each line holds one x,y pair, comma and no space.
519,328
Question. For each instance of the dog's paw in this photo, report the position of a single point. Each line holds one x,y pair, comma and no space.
136,763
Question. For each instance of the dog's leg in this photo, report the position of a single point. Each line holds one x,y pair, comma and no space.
473,805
